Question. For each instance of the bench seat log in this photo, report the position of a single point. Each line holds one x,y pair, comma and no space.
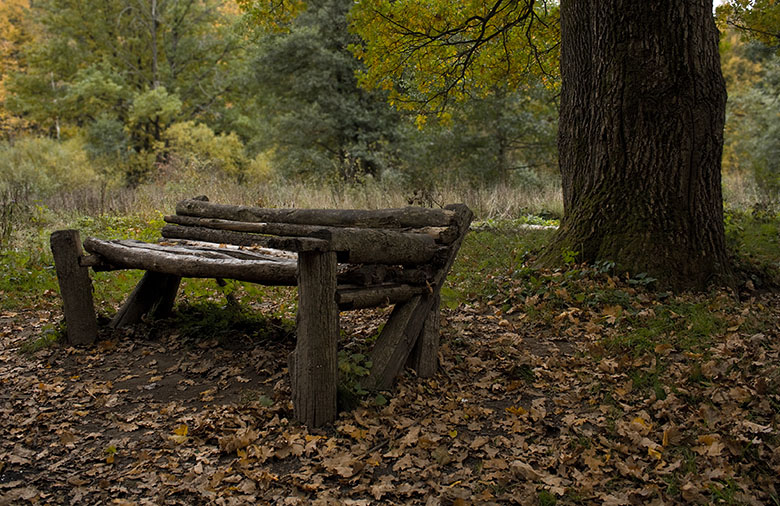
242,239
337,235
120,254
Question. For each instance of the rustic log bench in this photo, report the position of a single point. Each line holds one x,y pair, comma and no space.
339,260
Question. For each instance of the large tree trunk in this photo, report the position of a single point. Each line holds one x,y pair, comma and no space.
640,138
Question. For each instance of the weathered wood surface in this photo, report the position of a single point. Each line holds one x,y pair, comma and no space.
355,245
154,294
191,265
245,239
75,287
375,296
230,248
314,365
394,344
338,262
424,357
407,217
405,326
376,274
337,235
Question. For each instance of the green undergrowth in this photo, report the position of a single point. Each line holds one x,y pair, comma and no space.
753,238
488,256
31,279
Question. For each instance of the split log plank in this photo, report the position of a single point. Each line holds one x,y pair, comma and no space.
314,364
253,249
211,250
408,217
193,266
75,287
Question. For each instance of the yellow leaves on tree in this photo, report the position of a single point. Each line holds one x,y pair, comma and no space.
430,52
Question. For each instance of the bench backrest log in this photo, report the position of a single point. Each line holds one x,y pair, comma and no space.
339,259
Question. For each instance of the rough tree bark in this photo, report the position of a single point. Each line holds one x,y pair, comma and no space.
640,139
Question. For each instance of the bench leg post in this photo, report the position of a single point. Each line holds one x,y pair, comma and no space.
75,287
425,355
154,294
314,364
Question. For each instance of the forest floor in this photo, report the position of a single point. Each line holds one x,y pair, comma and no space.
586,389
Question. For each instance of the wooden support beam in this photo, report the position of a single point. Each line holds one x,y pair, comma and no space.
425,355
314,363
154,295
406,323
75,287
395,342
424,358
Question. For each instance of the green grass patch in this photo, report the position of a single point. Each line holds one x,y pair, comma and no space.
27,278
489,257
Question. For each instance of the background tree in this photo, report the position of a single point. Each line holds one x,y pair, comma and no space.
505,137
642,108
752,134
142,63
759,19
319,122
16,30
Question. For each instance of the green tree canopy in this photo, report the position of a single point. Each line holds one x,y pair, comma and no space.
141,62
319,122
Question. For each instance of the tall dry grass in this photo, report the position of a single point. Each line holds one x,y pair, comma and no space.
151,200
499,201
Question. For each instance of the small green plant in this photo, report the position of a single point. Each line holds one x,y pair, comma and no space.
604,266
353,367
642,279
569,256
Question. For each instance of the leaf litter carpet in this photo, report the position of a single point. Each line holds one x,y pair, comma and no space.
523,411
